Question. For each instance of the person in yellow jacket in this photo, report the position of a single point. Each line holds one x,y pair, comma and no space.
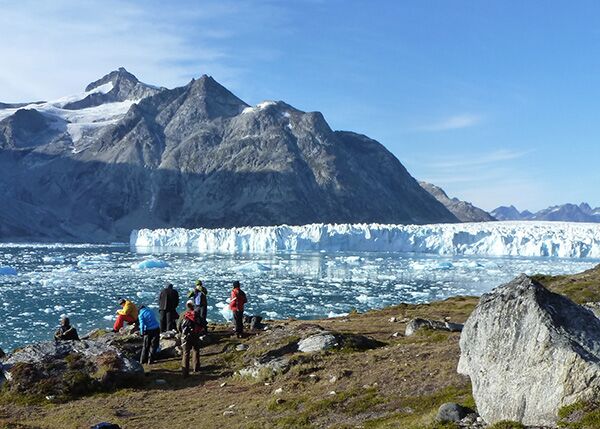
128,313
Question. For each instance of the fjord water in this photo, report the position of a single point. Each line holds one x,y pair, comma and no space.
85,282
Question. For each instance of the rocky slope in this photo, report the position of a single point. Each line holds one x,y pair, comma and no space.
463,210
565,212
125,155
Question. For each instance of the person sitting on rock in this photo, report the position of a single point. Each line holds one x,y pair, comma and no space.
128,313
150,330
190,328
66,332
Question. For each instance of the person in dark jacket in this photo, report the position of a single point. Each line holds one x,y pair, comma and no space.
66,332
168,302
201,300
150,330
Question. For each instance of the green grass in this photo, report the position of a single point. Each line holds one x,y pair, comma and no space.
580,415
419,412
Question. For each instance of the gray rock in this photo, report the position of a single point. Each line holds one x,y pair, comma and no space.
266,369
68,367
417,324
241,347
318,343
594,307
452,412
529,352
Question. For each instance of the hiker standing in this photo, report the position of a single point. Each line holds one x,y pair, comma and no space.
190,328
150,330
66,332
128,313
236,305
201,300
168,302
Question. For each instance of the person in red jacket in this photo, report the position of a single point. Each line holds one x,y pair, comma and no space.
236,305
191,327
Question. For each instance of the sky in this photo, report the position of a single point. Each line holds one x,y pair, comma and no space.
497,102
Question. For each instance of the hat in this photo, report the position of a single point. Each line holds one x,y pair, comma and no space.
122,301
198,282
236,283
189,302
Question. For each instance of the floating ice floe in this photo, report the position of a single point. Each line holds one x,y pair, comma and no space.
8,271
528,239
253,267
150,263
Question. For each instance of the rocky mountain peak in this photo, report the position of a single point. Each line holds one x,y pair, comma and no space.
115,77
463,210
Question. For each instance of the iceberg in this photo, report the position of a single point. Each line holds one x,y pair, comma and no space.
8,271
511,238
150,263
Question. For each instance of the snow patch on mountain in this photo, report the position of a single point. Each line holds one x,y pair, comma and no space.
528,239
79,123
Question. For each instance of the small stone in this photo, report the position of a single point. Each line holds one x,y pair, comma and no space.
223,384
231,406
393,320
228,413
279,401
452,412
241,347
160,381
278,391
333,379
312,375
332,393
50,398
396,334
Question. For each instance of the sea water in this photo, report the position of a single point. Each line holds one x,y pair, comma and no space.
85,282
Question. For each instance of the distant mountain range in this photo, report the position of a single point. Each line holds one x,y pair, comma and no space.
464,211
565,212
125,155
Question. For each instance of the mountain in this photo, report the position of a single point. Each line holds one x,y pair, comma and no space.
124,155
463,210
565,212
507,213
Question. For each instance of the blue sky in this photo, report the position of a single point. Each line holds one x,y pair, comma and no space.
498,102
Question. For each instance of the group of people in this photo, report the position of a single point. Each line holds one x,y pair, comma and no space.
191,324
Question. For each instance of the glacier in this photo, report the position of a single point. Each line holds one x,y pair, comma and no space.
510,238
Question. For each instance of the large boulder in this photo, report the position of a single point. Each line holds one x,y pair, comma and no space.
529,352
68,368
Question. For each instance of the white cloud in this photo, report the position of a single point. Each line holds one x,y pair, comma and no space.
455,122
50,49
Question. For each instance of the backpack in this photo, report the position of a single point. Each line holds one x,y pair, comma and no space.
187,327
242,297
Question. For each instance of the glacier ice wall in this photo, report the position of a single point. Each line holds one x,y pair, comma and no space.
529,239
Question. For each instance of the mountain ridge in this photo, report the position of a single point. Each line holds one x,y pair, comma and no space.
124,155
463,210
568,212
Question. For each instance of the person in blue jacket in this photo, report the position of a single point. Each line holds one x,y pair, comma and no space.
150,330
